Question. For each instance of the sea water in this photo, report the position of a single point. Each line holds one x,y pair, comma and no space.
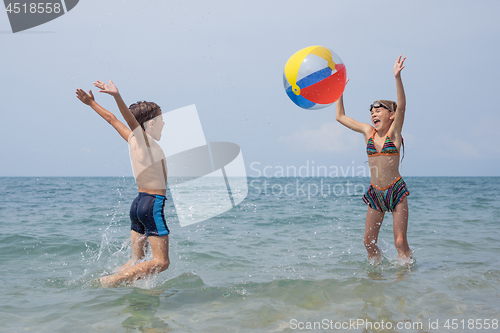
289,258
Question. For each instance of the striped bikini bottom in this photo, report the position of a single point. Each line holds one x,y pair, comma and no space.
386,199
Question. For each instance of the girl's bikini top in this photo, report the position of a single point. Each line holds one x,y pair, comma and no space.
388,149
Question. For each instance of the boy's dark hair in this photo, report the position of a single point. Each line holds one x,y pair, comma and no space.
144,111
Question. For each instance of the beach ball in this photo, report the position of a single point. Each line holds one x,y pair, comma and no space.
314,77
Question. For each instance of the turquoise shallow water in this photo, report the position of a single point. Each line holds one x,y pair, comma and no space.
282,261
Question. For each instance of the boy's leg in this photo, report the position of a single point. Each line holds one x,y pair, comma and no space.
159,247
400,226
139,244
159,263
373,223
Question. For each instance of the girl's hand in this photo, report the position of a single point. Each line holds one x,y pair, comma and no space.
107,88
398,66
84,97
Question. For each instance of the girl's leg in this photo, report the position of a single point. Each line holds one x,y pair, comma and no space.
400,226
374,220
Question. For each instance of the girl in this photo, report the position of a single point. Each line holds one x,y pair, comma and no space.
387,191
145,123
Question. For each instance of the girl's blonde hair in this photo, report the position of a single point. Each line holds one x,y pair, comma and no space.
391,105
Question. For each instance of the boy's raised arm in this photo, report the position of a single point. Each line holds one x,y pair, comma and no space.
124,110
89,100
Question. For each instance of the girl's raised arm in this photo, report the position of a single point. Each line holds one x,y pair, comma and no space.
401,108
89,100
348,122
124,110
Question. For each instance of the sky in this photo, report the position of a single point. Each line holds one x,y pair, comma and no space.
227,58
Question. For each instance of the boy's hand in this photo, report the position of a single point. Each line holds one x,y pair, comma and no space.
398,66
84,97
107,88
